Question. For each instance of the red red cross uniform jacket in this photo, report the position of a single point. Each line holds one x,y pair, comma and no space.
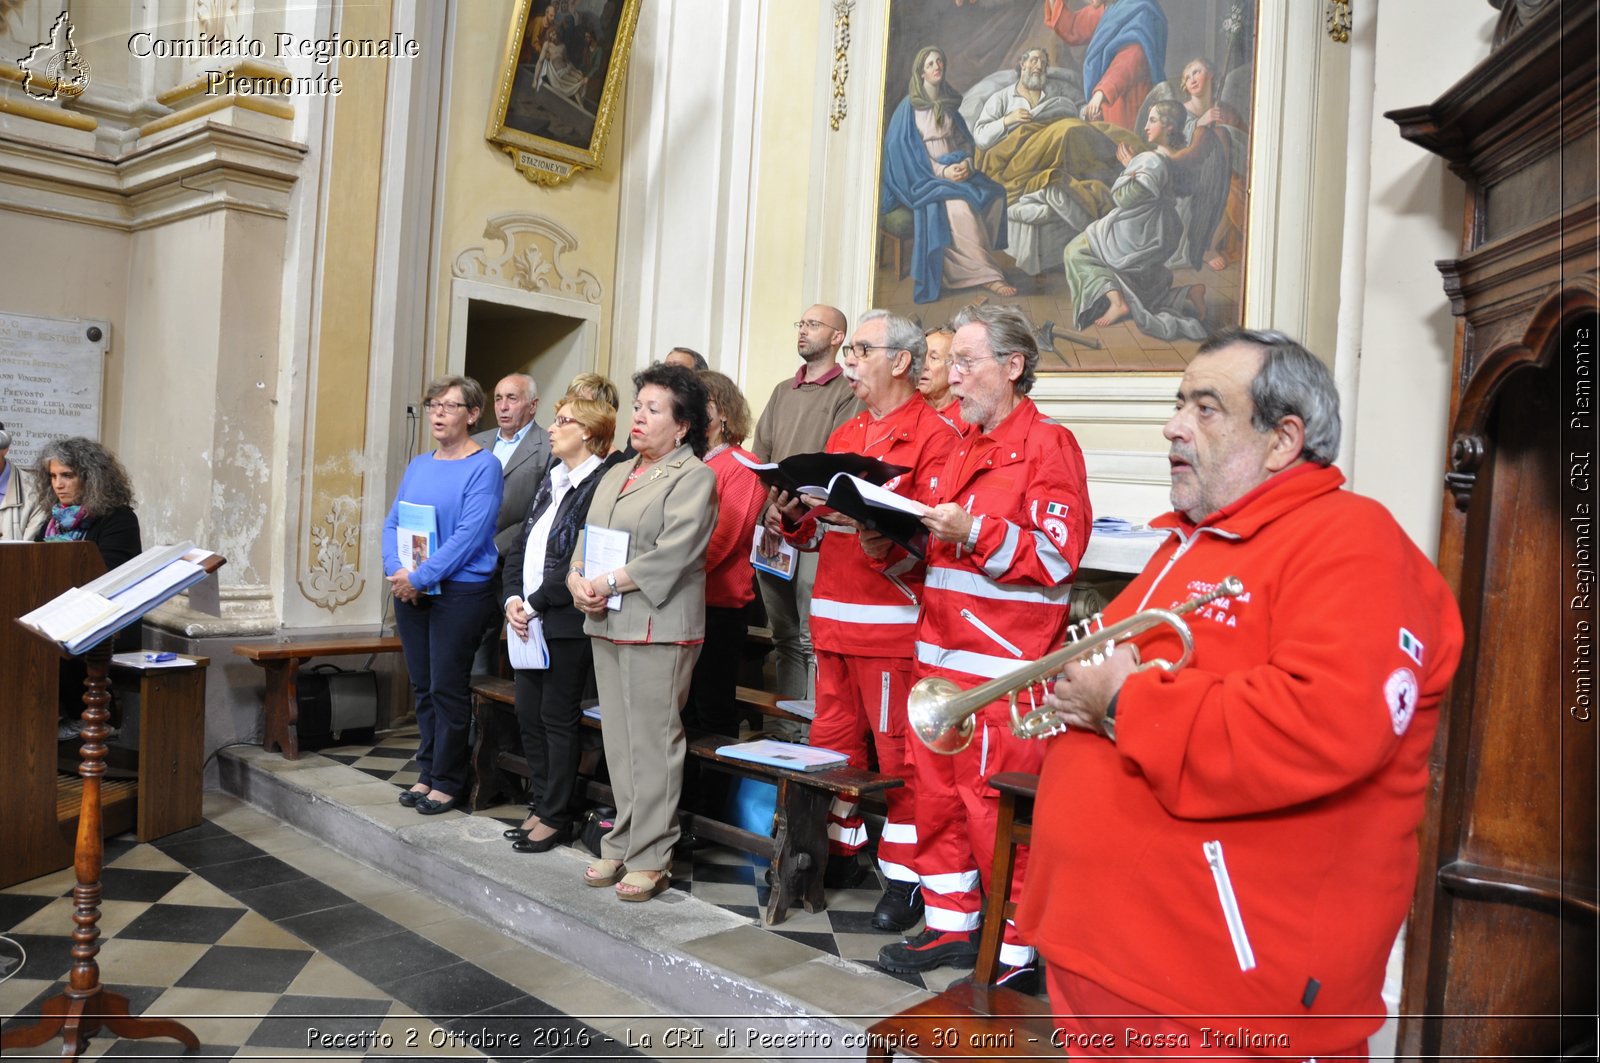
1003,601
1247,845
857,607
863,618
990,606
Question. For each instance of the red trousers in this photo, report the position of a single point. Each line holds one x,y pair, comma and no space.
1094,1023
858,697
956,815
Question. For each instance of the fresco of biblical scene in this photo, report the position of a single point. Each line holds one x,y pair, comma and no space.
1086,160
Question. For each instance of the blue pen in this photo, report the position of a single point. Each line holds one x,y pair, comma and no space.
158,658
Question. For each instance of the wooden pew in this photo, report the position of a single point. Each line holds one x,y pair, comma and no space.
798,845
281,661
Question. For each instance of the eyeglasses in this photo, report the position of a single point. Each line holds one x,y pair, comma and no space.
808,324
448,407
966,364
563,419
863,350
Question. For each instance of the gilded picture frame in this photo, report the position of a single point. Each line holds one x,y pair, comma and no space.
1124,263
560,84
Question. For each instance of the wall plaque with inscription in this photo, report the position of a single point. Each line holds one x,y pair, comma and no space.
51,373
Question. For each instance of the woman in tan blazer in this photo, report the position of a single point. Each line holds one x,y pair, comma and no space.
645,651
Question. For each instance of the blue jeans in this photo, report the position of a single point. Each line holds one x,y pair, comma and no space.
439,636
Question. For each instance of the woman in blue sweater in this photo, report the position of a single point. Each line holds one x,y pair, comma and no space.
443,602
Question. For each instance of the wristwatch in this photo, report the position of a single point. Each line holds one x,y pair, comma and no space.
1108,723
611,582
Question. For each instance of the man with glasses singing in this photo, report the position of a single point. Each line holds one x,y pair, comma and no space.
1010,521
863,615
799,416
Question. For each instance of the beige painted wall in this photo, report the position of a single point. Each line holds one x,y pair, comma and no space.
789,57
75,284
480,182
1408,336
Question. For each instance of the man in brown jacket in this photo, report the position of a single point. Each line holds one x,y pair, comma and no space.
800,416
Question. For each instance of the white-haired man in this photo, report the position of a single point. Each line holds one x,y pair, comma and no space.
1009,525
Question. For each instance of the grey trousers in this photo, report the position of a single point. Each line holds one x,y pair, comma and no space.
788,605
642,691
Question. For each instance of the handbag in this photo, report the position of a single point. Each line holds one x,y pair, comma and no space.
597,823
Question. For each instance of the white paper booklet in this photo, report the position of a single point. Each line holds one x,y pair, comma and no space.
531,652
784,755
604,550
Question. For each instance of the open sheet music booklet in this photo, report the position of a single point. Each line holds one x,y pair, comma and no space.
794,472
83,616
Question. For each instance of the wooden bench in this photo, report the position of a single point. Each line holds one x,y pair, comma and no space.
281,661
798,845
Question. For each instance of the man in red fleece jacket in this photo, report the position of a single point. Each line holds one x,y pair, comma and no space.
1223,855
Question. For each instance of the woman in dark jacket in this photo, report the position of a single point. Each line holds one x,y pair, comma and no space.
89,498
536,594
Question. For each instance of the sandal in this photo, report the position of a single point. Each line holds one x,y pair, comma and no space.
642,885
603,872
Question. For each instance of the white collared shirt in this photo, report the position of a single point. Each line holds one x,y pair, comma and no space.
562,480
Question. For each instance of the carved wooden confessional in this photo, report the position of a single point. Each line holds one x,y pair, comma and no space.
1500,954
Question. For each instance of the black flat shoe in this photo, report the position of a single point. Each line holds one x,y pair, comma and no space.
409,798
544,845
516,834
429,807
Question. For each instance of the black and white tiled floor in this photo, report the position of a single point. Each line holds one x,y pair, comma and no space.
731,880
268,945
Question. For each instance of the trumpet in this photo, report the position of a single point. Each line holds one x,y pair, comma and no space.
941,713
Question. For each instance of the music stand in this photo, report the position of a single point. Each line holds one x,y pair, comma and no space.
78,1012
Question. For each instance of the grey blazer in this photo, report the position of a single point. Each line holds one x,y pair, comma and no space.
668,513
524,472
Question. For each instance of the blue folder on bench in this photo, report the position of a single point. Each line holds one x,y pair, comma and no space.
789,755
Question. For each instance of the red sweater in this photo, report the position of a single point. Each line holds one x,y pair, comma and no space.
1247,846
740,500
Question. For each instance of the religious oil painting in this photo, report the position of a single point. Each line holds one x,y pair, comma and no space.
1086,160
561,81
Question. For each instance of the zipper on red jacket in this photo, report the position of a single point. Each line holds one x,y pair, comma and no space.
1230,905
1183,548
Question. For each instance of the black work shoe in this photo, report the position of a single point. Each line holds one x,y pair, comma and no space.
1023,979
930,949
842,873
899,908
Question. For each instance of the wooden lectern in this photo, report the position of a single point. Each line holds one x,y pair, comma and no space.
42,811
85,1006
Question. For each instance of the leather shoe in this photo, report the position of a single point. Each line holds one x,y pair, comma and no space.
429,807
542,845
899,908
409,798
930,949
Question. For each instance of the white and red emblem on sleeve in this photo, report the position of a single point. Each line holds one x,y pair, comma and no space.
1053,524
